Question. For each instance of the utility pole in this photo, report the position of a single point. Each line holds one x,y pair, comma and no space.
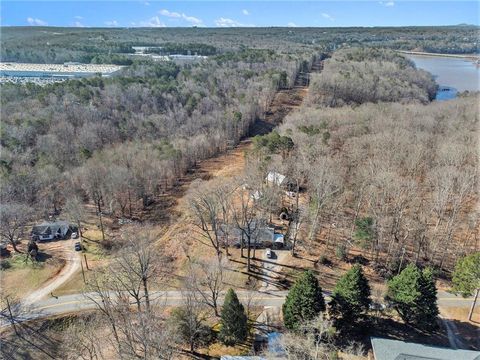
86,262
470,314
83,272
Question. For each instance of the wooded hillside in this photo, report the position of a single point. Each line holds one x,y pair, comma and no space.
137,132
359,75
393,178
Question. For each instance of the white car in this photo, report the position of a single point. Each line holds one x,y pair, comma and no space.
268,253
74,235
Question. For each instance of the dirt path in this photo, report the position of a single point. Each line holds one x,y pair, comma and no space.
72,265
232,162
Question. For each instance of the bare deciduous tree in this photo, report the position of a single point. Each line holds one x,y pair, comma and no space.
139,264
13,220
208,279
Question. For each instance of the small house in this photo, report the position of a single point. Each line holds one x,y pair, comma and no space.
262,236
50,230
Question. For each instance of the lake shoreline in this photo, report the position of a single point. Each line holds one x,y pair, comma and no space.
474,57
453,74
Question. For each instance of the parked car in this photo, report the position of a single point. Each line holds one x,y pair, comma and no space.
78,246
268,252
74,235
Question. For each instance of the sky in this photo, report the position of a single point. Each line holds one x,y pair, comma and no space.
150,13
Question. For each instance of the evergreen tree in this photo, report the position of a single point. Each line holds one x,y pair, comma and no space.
234,324
466,278
304,301
428,301
350,298
414,296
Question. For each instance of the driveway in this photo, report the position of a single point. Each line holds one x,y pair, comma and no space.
72,265
271,269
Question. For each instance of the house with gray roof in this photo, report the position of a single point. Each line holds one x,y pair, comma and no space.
262,236
386,349
50,230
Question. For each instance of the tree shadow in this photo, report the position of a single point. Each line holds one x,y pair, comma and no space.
293,267
468,332
43,257
260,127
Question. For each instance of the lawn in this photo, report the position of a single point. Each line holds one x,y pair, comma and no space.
24,277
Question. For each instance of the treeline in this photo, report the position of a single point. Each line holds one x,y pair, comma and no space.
359,75
130,137
57,45
397,181
183,49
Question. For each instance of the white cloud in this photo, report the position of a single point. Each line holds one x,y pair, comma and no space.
78,24
146,3
328,16
226,22
112,23
291,24
192,19
152,22
245,12
171,14
387,3
36,22
78,17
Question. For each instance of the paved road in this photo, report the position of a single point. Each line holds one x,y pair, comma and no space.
80,302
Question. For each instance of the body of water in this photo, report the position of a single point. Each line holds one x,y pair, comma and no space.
453,75
43,74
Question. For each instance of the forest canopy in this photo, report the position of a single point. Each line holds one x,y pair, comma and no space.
142,128
359,75
404,177
58,45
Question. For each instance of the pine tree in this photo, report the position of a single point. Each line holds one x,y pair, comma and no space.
350,298
466,278
304,301
234,324
414,296
428,301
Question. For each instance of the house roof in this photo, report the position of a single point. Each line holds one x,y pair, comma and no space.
275,177
262,233
47,228
386,349
265,234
